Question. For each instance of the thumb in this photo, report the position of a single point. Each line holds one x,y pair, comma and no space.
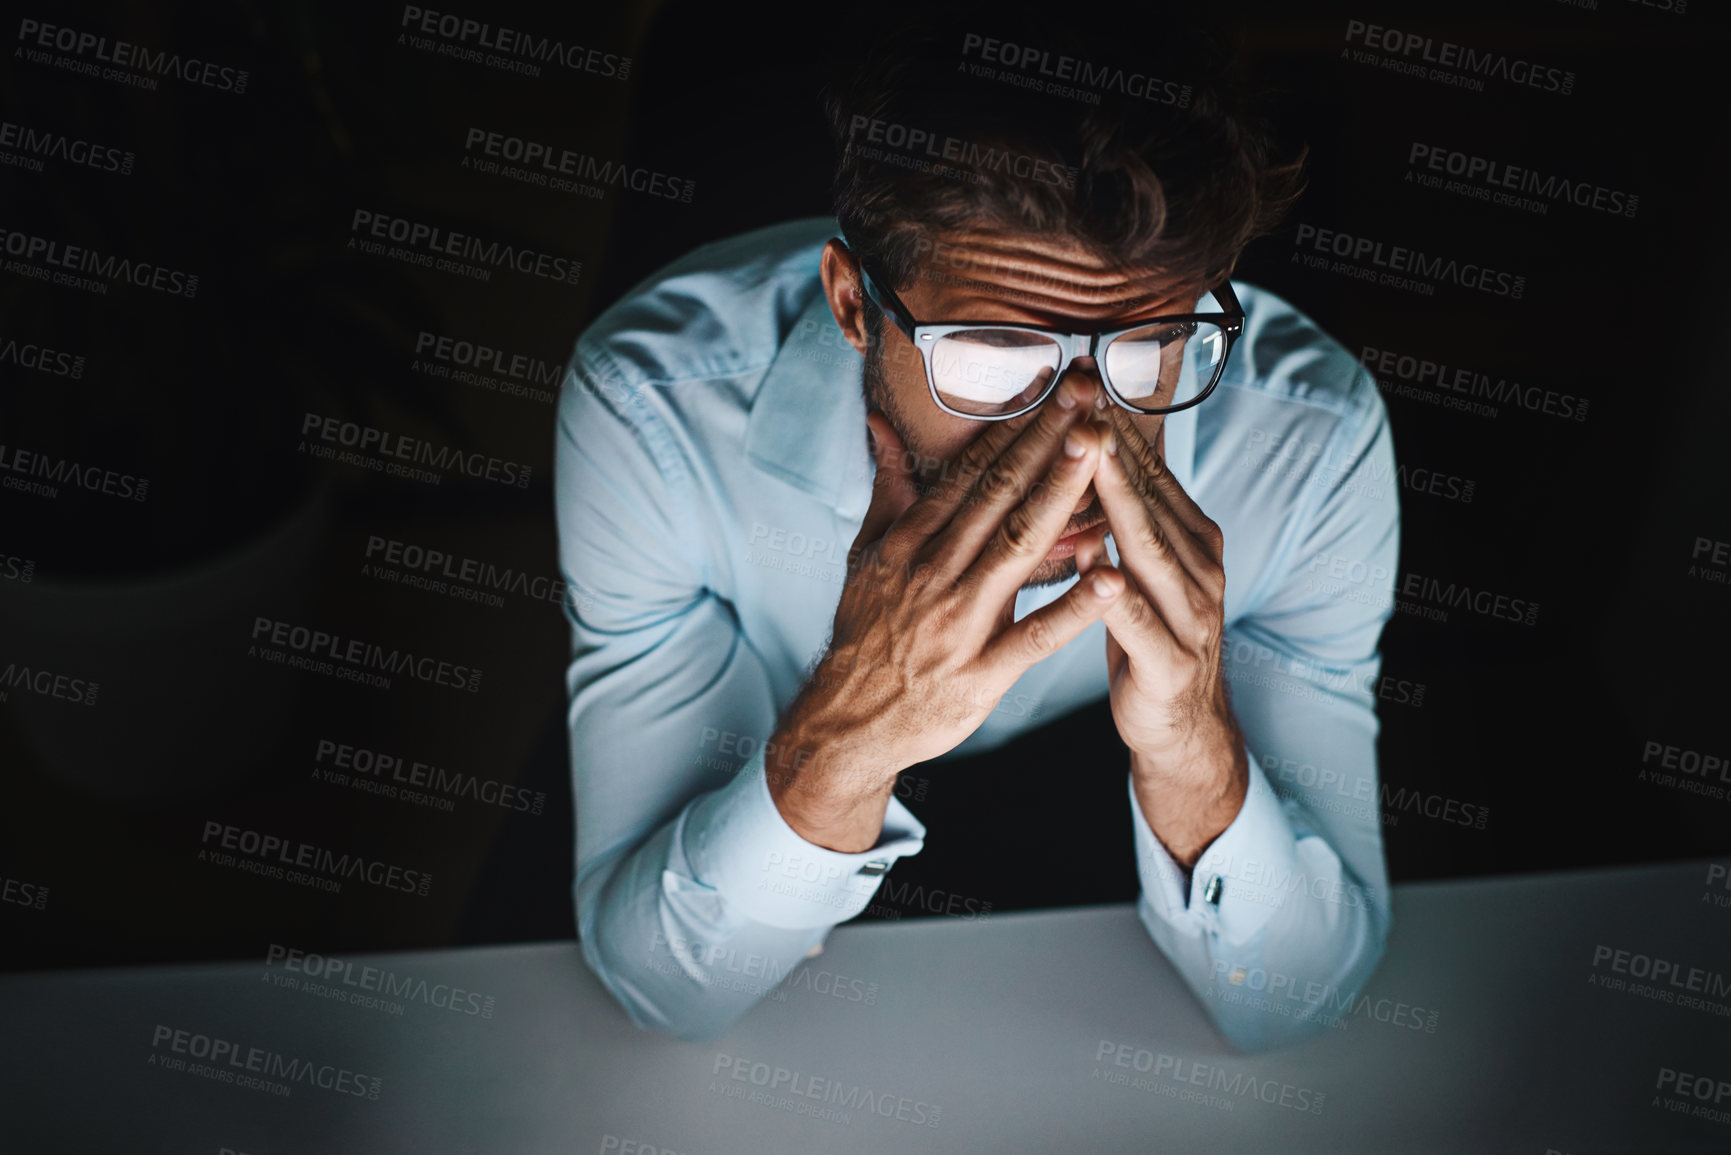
893,484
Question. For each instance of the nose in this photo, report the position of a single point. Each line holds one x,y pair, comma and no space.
1083,375
1085,389
1084,369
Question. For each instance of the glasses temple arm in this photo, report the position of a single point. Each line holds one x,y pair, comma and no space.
884,297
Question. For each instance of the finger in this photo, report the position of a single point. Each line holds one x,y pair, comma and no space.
1149,544
916,521
1149,471
1158,530
975,471
1050,628
1033,465
1091,548
1140,631
1024,538
892,485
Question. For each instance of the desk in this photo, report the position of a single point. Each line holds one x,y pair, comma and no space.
1489,1028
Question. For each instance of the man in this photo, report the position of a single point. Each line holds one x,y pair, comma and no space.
1073,461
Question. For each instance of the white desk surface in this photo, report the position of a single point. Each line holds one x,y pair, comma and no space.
996,1022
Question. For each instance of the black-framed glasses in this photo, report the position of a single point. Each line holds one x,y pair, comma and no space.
992,370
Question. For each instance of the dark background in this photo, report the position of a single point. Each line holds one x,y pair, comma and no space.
104,805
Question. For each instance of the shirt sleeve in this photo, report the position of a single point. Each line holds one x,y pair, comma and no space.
694,898
1286,914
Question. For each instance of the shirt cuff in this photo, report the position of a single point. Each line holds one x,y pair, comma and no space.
738,843
1240,881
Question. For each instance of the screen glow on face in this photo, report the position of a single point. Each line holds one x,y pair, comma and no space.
992,367
994,371
984,371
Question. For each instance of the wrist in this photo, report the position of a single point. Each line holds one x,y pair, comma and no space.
826,796
825,738
1190,795
1205,747
1205,752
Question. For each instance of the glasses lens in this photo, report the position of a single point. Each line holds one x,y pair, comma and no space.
1165,365
989,372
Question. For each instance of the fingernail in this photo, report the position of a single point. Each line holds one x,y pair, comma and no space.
1111,441
1073,447
1066,396
1102,585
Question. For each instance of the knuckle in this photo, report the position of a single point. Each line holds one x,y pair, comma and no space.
893,543
983,450
1056,488
963,587
1153,538
1052,419
1038,492
1129,437
998,480
1214,579
1141,613
1016,535
923,519
868,537
1041,637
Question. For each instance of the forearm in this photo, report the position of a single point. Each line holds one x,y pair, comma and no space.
672,952
1270,928
706,915
1190,798
1280,921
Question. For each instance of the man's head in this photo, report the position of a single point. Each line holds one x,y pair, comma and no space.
980,188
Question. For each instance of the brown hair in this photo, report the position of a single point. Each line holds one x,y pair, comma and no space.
1153,164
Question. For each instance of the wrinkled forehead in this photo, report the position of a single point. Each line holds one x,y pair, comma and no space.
1052,277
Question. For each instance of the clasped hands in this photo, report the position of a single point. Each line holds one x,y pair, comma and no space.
925,644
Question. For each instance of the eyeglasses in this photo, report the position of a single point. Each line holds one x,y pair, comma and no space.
992,371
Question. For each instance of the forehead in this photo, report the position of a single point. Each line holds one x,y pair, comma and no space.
1035,279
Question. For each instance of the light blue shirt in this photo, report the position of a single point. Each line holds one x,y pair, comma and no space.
712,472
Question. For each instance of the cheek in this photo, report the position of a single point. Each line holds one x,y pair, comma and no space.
905,372
935,435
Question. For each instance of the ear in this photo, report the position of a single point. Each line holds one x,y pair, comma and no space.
844,288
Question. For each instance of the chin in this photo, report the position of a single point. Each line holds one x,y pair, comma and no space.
1051,572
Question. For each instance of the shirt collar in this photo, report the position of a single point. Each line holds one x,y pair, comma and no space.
807,424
